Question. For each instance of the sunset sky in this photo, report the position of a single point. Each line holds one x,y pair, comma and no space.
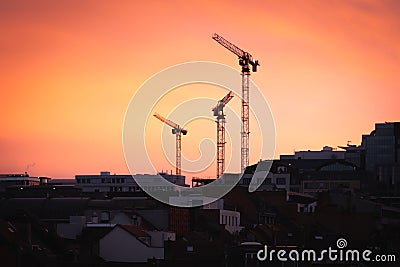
329,70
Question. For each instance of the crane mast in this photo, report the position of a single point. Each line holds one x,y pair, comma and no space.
245,60
219,113
178,131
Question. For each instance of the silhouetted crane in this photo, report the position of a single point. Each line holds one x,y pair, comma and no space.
245,59
177,130
219,113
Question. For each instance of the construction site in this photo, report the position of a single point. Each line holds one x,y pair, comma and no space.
194,133
248,65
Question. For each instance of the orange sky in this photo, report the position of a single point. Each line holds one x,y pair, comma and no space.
329,70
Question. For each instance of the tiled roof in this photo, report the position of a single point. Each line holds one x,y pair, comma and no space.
136,231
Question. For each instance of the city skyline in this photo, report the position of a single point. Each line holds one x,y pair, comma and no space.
71,68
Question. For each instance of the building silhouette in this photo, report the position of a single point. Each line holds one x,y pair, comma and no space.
382,155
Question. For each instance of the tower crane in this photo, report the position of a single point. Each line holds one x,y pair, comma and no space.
245,60
219,113
177,130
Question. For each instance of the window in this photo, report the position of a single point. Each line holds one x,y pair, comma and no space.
281,169
323,185
251,259
267,218
268,181
281,181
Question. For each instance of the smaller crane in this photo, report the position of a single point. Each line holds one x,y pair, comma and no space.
177,130
219,113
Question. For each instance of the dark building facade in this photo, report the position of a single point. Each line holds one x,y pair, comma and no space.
382,154
382,145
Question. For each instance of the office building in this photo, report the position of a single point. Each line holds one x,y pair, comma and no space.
382,154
